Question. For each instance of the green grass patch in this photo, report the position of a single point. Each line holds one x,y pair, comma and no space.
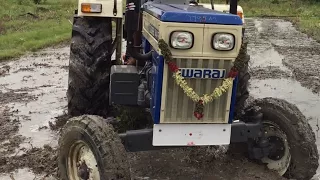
304,14
26,26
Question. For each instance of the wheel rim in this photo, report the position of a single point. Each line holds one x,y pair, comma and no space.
82,164
280,157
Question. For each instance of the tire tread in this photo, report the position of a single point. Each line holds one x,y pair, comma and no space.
107,142
89,69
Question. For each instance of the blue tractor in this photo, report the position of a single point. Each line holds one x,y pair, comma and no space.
189,72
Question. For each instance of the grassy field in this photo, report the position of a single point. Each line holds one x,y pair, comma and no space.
25,26
304,14
49,22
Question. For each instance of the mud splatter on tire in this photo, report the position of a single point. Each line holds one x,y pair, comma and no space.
301,138
104,143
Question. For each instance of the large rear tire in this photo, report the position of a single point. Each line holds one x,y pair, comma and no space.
295,153
243,81
87,142
89,67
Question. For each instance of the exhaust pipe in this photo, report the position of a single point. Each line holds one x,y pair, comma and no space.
233,7
133,27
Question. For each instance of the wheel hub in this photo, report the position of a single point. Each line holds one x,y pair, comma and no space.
277,150
83,171
82,164
279,158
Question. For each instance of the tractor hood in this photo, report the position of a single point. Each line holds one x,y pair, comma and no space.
190,14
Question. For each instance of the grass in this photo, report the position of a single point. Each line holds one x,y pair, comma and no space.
47,23
304,14
20,32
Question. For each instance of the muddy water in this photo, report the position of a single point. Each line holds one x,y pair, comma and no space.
33,92
44,76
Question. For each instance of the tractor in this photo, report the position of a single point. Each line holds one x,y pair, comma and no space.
191,78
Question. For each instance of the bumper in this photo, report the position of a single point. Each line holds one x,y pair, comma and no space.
163,136
191,134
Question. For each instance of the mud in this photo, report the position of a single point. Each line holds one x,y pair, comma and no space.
200,163
33,109
269,73
58,123
39,160
276,41
32,93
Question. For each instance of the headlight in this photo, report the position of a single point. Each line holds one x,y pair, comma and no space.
223,41
181,40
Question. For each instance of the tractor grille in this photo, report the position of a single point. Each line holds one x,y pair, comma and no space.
179,108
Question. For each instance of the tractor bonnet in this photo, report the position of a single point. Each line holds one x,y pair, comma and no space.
190,14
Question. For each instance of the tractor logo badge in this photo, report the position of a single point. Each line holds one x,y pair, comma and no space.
203,73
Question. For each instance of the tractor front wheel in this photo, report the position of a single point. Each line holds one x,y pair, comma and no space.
90,149
293,152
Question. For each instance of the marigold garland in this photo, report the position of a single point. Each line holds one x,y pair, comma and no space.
179,79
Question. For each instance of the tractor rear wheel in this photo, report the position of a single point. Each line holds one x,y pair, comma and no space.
243,81
90,149
294,152
89,66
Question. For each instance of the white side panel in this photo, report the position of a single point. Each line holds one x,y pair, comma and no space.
191,134
107,8
220,7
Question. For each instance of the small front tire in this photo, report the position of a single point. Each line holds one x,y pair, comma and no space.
296,155
89,148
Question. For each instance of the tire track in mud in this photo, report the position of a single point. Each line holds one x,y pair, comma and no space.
276,44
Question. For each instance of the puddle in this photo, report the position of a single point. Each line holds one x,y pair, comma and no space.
266,61
258,25
24,174
44,77
290,90
267,57
262,52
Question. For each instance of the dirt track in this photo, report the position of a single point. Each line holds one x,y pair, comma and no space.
284,64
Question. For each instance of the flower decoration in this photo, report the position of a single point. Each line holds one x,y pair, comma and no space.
200,101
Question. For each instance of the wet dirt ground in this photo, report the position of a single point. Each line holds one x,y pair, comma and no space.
284,64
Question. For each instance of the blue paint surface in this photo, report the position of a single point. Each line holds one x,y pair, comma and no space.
157,77
233,100
190,14
146,45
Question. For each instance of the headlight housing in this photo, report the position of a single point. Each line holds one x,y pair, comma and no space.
181,40
223,41
91,8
